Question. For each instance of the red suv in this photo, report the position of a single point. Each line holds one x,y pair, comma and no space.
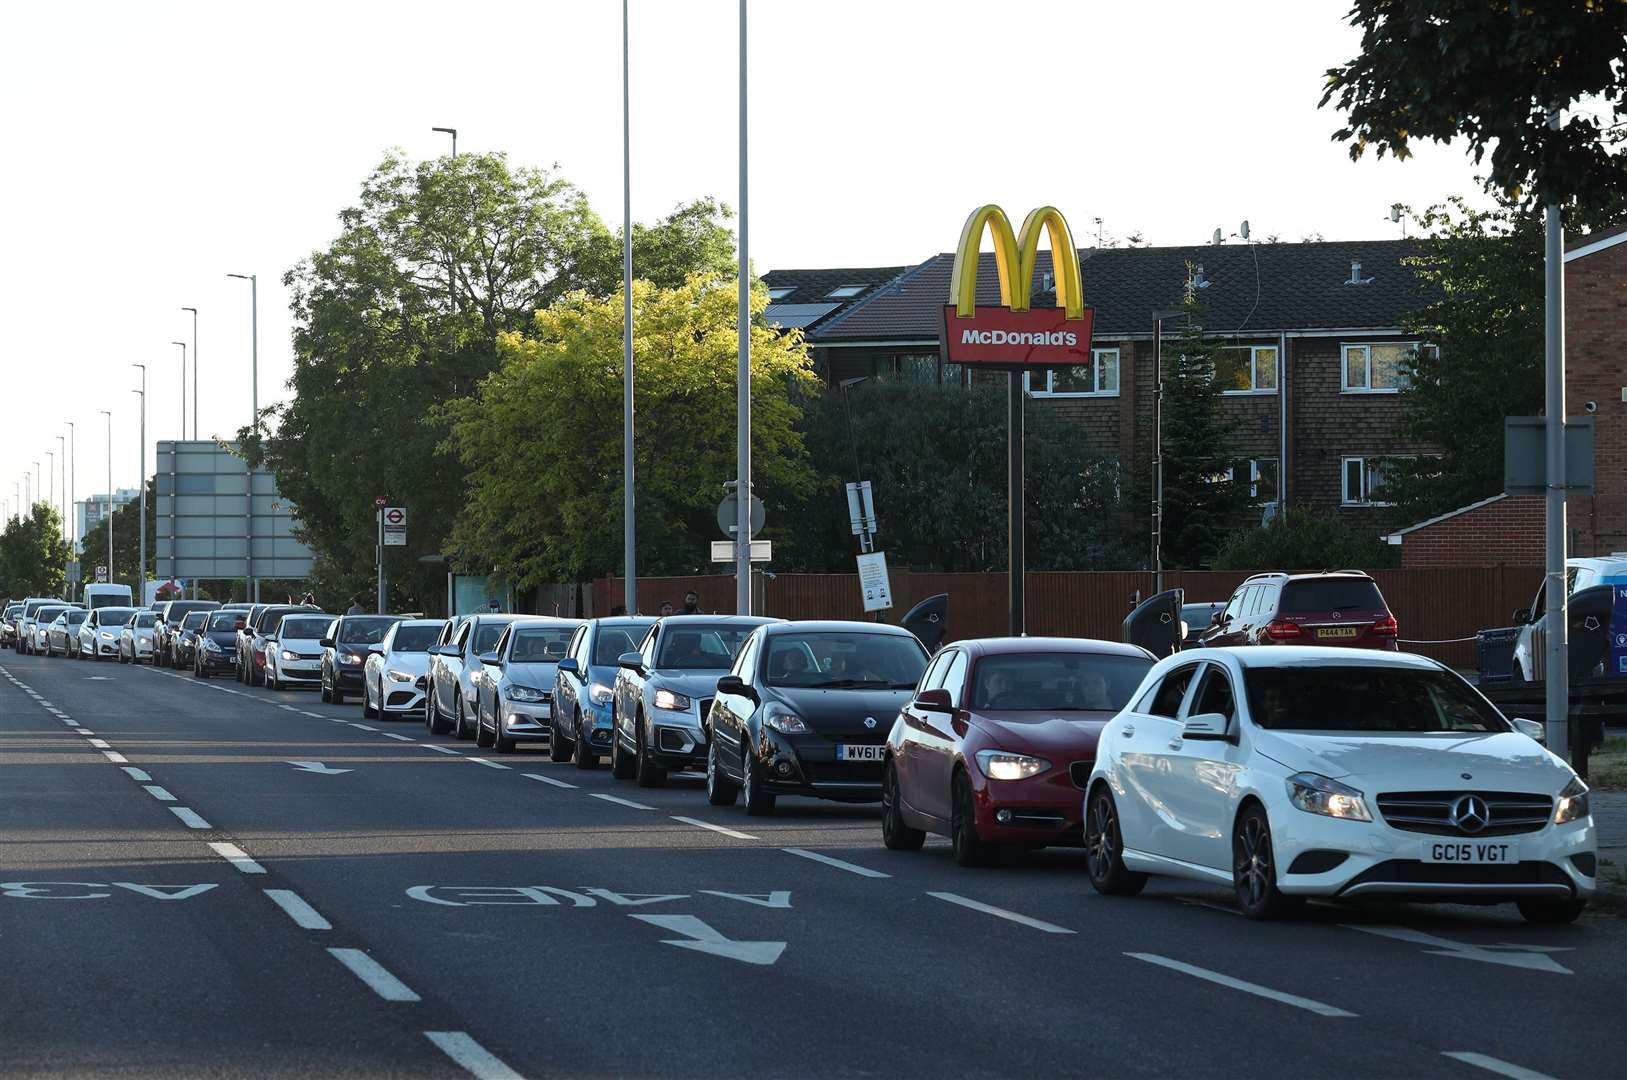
1342,607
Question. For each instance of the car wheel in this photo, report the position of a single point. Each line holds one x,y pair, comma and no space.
324,693
585,757
647,772
438,724
368,712
460,728
759,803
1254,867
1551,912
271,678
199,671
559,747
501,742
480,729
622,765
970,848
720,790
1104,849
895,831
336,695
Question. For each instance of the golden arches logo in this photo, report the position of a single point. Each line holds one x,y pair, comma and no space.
1015,255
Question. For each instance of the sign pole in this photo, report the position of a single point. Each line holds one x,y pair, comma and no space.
1557,711
1014,453
380,514
742,492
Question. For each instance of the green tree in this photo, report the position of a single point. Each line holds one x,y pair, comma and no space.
542,435
33,554
1489,73
1305,539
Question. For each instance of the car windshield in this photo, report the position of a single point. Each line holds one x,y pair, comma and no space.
1053,682
540,644
365,629
691,647
77,616
222,621
193,620
114,616
1330,594
1363,698
146,619
844,660
307,629
415,638
613,641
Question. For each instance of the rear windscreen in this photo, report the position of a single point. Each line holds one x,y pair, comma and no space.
1331,594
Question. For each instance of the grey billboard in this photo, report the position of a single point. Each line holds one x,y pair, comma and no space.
215,519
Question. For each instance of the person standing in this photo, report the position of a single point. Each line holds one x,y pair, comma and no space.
692,603
355,607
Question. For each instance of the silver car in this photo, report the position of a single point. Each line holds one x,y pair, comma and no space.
39,628
396,676
294,650
136,638
451,673
514,683
27,628
63,633
99,634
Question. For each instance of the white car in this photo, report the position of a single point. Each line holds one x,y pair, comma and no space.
136,637
1296,771
396,674
294,650
99,633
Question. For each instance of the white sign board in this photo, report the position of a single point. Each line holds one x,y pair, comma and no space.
861,508
395,526
878,594
761,550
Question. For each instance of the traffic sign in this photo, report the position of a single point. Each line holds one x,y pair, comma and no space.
878,594
101,575
395,526
728,515
761,551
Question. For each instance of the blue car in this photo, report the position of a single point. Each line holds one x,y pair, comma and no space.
584,686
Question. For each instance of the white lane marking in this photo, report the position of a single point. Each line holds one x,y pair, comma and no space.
137,774
400,738
1518,956
318,715
490,764
548,780
237,857
372,973
100,744
115,757
190,816
700,937
290,708
303,914
362,727
159,793
1000,913
852,868
318,767
440,749
618,800
699,824
1238,984
480,1062
1493,1065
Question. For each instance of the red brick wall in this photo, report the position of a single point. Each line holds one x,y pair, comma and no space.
1596,370
1506,532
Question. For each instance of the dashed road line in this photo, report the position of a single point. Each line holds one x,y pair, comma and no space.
237,857
190,817
137,774
699,824
100,744
401,738
489,763
372,973
1000,913
294,905
440,749
318,715
1493,1065
115,757
619,801
461,1048
159,793
548,780
1239,984
362,727
852,868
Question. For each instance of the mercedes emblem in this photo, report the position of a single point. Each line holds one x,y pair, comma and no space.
1469,813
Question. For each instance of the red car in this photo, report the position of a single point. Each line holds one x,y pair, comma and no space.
1339,607
996,746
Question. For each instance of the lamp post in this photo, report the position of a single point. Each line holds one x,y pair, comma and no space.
50,478
73,491
107,503
629,546
454,131
182,344
251,587
141,488
742,490
62,488
34,491
194,376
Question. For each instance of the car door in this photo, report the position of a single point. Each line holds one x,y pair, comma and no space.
912,728
1140,755
730,712
1201,792
448,665
1226,631
569,687
941,735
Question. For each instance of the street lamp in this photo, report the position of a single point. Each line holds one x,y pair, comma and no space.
742,408
194,375
1157,560
34,491
107,501
141,486
629,532
250,588
454,133
50,478
182,344
62,455
73,490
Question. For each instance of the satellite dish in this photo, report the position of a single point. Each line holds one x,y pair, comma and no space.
1395,212
1215,239
1242,230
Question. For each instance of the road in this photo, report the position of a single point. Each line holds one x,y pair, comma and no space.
206,880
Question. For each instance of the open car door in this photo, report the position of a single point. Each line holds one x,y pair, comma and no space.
1155,624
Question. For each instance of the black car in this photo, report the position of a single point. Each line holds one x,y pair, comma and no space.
344,655
216,648
185,638
806,710
167,631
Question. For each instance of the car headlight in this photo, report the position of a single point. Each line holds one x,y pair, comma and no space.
666,699
600,694
1317,794
526,693
1004,765
288,655
1572,802
349,658
784,721
398,676
210,645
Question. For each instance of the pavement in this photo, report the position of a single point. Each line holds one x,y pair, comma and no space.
200,879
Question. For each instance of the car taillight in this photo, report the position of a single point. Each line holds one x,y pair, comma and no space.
1385,626
1282,630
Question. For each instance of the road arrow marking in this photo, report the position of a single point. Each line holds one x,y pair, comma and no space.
779,898
1533,958
702,938
318,767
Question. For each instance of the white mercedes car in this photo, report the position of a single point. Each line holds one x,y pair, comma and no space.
1294,772
395,677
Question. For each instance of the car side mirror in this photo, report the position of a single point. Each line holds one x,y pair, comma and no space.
326,643
934,700
1209,725
1532,728
374,650
1522,616
488,658
734,684
569,666
270,640
632,661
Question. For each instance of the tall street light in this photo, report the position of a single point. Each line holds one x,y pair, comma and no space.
628,532
107,501
62,490
454,131
50,478
194,375
141,486
73,491
250,586
34,491
182,344
742,490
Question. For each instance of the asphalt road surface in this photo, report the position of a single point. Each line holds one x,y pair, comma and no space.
197,879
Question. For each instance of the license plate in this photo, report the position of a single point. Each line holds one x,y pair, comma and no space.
1336,632
1471,852
852,752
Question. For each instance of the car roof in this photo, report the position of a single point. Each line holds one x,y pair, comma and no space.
1312,655
837,626
546,620
625,620
422,622
1358,575
715,620
1023,645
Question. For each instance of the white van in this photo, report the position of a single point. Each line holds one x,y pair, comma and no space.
1529,655
99,596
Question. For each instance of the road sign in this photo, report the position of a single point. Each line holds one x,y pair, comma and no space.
861,508
761,550
728,515
101,575
380,501
395,526
878,594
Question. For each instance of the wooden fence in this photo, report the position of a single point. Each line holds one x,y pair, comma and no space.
1431,605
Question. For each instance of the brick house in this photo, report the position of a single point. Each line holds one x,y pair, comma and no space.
1312,332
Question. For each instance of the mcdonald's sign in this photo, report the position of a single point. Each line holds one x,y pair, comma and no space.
1012,335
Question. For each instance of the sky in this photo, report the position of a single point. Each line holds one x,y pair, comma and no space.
151,149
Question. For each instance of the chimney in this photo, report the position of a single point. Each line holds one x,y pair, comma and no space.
1355,274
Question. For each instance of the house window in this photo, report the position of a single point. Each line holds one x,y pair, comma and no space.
1260,474
1376,369
1364,481
780,292
1099,378
846,292
1247,369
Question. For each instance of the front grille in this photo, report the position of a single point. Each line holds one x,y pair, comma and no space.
1079,771
1430,812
